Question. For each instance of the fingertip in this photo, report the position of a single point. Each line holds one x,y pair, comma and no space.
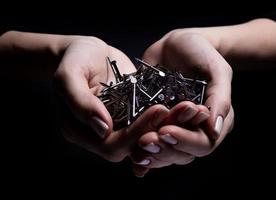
220,108
100,119
139,171
99,126
167,134
218,125
214,127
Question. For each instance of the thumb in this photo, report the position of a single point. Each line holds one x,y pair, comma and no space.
219,101
85,106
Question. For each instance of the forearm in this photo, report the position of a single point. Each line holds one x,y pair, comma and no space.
31,55
252,41
255,38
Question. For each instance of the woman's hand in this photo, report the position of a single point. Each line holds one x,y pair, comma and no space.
83,67
190,130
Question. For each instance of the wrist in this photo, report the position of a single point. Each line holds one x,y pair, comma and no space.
217,37
214,35
17,42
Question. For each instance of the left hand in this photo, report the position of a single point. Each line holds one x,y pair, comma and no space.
188,52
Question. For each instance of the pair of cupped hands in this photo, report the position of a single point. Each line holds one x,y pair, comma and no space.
159,137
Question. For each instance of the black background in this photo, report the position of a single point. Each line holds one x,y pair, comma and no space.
38,162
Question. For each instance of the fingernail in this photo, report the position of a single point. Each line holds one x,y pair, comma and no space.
99,126
219,125
139,175
144,162
186,115
152,148
168,139
159,117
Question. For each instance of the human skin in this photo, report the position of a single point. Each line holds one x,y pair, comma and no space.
208,48
79,64
76,84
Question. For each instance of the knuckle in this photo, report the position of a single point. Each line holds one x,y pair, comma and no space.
172,39
189,104
177,35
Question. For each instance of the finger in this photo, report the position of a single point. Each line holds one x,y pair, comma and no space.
227,128
139,170
150,120
87,107
76,132
80,134
157,152
119,144
185,160
194,142
166,157
182,113
218,98
84,105
140,157
202,115
147,160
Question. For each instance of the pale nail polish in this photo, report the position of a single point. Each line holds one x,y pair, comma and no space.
219,125
144,162
99,126
152,148
186,115
168,139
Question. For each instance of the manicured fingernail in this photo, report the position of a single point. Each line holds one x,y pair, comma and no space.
99,126
159,117
144,162
219,125
152,148
168,139
186,115
139,175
